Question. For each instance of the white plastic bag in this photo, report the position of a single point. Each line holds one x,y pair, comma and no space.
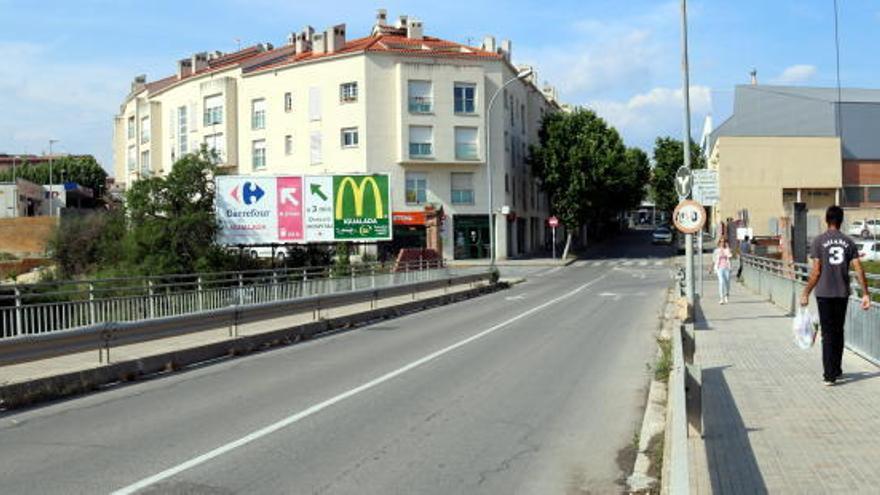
804,327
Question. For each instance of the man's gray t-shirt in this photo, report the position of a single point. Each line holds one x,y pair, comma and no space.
835,251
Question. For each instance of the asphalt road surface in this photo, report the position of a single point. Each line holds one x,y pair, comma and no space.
531,390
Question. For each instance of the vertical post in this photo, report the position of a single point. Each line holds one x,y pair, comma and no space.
686,147
150,296
353,283
554,243
200,294
18,311
92,315
373,277
240,288
274,285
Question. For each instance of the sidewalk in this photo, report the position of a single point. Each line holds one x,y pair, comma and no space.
769,424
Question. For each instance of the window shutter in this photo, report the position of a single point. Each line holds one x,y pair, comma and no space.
420,134
315,148
195,118
314,103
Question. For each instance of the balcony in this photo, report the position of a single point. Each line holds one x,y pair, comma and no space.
421,104
466,151
420,150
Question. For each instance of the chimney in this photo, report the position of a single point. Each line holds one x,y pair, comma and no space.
505,49
414,29
401,22
304,40
199,61
489,44
381,18
335,38
291,39
754,74
138,83
319,43
184,67
266,47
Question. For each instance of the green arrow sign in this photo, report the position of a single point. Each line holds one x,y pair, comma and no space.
316,190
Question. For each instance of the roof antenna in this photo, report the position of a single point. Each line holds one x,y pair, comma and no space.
238,44
754,74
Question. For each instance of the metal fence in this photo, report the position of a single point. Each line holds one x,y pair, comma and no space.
782,284
53,306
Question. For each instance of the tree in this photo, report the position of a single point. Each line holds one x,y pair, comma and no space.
668,158
585,169
84,170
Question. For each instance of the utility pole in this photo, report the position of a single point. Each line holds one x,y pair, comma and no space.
686,148
51,199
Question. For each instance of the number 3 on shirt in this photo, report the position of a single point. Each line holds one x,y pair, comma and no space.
835,255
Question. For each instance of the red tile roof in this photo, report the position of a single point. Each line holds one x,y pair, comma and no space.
254,58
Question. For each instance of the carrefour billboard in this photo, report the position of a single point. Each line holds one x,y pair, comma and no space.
298,209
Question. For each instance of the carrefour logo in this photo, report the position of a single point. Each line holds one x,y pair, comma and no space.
250,193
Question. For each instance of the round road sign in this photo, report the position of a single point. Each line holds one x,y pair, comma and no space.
553,222
689,216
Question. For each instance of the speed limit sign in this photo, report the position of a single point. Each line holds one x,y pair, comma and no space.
689,216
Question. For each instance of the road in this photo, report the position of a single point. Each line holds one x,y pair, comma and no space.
532,390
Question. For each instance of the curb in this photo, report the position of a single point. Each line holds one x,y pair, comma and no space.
79,382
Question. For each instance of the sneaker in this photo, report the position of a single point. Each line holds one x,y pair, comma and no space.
726,299
829,383
721,301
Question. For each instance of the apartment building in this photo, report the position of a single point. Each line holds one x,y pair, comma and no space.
397,102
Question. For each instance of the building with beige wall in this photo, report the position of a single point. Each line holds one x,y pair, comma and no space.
396,102
797,144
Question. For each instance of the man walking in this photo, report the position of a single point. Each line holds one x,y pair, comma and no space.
832,253
745,248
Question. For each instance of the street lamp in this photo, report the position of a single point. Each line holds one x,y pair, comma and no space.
522,75
51,199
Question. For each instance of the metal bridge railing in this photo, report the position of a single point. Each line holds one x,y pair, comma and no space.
54,306
782,283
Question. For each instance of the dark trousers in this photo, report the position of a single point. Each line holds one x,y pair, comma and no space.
832,316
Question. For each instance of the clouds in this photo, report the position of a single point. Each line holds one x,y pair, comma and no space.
795,74
656,112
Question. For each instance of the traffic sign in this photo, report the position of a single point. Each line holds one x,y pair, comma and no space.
684,181
705,187
553,222
689,217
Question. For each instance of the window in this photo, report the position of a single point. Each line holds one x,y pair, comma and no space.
416,188
506,142
216,145
348,92
314,103
131,128
145,130
315,148
522,117
504,97
259,154
288,102
214,110
462,188
420,97
465,97
873,194
181,130
507,183
853,195
132,158
421,141
145,161
466,143
511,111
349,137
288,145
258,114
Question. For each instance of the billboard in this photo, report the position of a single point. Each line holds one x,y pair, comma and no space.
299,209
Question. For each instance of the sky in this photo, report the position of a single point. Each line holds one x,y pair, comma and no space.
65,66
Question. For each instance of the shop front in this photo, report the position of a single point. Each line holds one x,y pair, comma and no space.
471,236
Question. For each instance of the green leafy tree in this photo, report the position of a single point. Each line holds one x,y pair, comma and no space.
668,158
83,170
585,169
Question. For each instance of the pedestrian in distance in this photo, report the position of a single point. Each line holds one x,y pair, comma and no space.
745,248
721,265
833,252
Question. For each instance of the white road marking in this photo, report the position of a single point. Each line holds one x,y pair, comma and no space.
316,408
643,263
516,298
628,263
597,263
658,263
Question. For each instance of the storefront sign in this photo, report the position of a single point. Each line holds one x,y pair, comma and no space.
409,218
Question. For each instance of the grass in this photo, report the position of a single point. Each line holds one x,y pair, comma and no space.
664,361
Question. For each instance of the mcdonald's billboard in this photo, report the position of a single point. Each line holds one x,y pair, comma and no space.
255,210
361,209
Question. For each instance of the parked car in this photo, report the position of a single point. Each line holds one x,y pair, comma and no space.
661,235
869,250
855,228
865,228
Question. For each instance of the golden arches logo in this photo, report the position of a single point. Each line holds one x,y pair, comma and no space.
357,191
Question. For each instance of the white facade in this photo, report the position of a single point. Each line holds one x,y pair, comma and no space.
395,102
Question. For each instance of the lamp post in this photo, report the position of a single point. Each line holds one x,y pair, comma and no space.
520,76
51,199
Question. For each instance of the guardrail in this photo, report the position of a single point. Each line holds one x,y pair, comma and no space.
66,305
103,335
782,284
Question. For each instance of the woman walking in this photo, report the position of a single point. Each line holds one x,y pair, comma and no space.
721,264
